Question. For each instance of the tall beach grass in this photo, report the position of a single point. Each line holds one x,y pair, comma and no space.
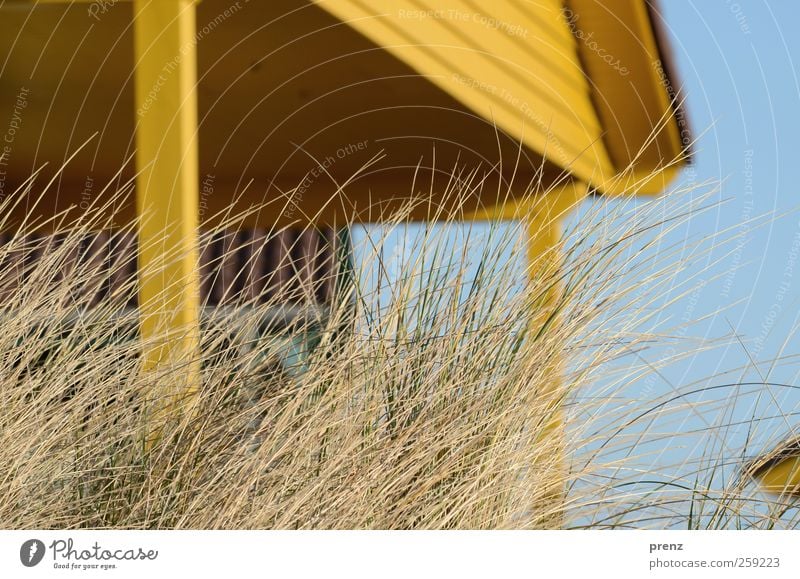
450,385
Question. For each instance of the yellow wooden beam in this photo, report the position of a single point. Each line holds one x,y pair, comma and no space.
544,215
167,199
100,3
544,218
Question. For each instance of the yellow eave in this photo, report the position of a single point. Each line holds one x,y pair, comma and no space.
637,99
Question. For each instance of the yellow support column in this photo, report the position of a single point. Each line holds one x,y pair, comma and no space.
544,215
545,261
782,477
167,200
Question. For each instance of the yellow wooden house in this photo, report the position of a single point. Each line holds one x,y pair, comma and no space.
351,106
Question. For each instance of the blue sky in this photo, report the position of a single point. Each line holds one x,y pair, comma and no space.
738,62
738,65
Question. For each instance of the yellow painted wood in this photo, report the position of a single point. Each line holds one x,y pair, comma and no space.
469,65
783,477
544,221
167,197
545,261
503,38
67,1
547,106
645,134
544,215
326,87
642,182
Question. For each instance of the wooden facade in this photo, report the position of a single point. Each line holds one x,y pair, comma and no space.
249,266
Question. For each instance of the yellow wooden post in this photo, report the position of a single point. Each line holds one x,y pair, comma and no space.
167,199
544,215
545,261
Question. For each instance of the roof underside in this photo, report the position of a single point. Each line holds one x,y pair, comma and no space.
289,87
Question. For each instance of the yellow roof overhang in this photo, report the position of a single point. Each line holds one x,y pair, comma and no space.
288,85
598,73
627,58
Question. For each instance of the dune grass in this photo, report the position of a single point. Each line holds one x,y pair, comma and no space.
447,388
